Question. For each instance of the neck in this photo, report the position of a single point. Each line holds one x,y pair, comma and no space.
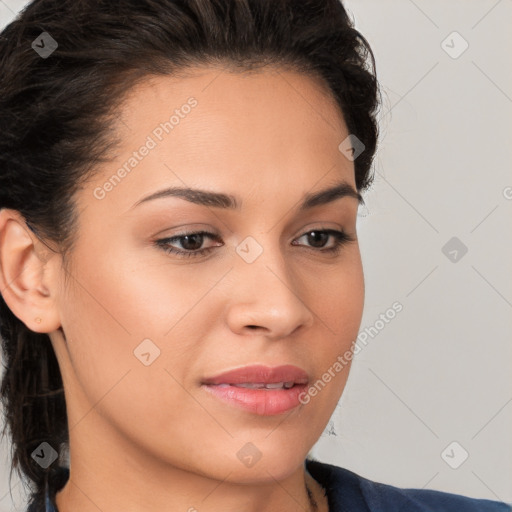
141,488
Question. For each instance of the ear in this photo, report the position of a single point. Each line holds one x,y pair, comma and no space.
28,274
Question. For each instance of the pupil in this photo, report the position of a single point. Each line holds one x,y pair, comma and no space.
187,239
314,235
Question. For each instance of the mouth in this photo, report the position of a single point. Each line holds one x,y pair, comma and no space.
261,376
260,385
259,389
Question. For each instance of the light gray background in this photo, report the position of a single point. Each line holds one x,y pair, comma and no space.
440,371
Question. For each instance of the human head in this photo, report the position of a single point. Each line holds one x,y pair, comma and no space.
59,116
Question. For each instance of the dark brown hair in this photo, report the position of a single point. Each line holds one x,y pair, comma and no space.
57,118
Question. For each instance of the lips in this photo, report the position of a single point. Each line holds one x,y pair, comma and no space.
259,389
261,377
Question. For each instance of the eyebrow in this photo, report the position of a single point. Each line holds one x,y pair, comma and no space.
227,201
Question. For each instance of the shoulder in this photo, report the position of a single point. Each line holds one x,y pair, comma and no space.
347,490
386,497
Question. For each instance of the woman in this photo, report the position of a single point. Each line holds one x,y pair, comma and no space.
179,260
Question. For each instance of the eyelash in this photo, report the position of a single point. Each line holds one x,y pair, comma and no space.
341,238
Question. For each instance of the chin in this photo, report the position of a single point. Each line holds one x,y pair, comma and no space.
274,464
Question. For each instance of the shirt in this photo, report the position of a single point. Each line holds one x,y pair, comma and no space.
348,492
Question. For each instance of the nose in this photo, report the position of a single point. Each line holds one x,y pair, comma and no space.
266,297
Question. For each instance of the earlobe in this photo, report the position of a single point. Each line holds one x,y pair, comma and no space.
27,282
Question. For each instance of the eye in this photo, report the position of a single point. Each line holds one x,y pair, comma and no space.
191,243
318,238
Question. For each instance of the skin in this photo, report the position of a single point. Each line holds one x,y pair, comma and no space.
145,438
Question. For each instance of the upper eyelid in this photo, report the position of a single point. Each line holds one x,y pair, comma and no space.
215,236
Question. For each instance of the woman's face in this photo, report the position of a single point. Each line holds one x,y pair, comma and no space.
145,328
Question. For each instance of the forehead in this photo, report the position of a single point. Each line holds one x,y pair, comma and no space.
220,86
220,128
234,106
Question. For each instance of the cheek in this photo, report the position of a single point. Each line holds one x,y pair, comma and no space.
338,305
103,372
100,311
337,298
110,310
338,311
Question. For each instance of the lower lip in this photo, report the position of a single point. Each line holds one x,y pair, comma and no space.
265,402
